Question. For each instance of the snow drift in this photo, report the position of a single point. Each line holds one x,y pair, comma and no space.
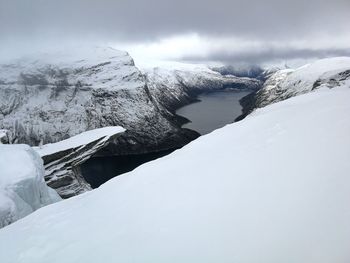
274,187
22,186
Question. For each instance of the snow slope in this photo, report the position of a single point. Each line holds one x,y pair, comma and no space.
22,186
286,83
272,188
63,159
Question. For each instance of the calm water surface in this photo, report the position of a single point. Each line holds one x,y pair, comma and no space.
215,110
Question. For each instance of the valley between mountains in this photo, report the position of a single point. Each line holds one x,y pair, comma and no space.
273,186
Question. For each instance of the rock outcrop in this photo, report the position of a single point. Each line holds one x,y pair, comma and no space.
62,160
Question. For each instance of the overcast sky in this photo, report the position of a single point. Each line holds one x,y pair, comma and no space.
228,31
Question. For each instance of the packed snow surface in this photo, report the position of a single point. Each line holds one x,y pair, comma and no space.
272,188
22,185
81,139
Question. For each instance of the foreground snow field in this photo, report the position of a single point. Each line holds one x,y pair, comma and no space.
274,187
22,185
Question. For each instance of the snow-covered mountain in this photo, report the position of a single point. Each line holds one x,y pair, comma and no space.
62,159
274,187
176,84
286,83
22,186
53,97
50,98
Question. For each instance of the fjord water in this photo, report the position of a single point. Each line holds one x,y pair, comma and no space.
213,110
99,170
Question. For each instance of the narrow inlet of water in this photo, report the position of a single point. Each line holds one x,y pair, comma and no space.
213,110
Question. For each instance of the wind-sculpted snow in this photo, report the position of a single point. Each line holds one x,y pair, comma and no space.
63,159
286,83
274,187
22,186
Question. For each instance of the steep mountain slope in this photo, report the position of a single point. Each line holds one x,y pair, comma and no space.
55,97
22,186
172,84
274,187
176,85
286,83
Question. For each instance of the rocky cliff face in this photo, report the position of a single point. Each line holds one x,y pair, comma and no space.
49,100
287,83
62,160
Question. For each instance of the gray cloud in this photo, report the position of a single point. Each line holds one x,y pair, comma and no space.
271,55
37,23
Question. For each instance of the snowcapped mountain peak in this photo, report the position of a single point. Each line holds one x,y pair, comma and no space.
95,67
54,96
